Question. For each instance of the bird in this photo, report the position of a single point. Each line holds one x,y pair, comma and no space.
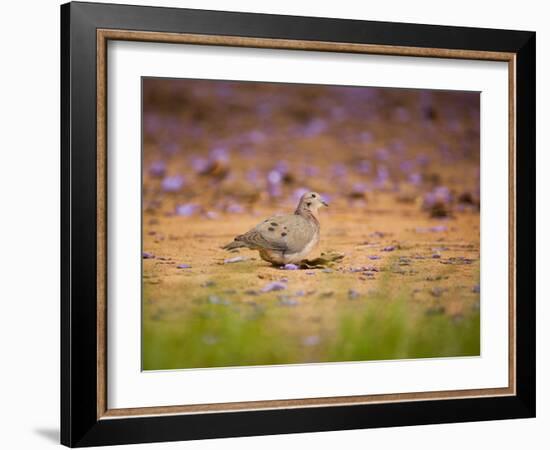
285,239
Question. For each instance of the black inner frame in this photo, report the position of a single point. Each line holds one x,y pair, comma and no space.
79,423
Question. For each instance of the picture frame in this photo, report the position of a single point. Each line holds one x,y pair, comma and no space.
86,418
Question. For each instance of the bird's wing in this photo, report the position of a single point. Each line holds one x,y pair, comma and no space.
289,233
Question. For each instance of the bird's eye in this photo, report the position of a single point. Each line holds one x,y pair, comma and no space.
308,203
313,195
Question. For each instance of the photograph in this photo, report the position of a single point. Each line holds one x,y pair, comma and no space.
278,222
302,223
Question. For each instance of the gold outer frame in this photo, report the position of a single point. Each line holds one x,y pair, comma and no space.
103,36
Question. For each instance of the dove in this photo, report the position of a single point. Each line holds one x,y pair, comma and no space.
285,239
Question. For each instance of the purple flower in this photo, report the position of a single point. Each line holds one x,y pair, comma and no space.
236,259
406,166
339,170
310,341
219,154
173,183
423,159
274,177
253,176
311,171
363,167
183,266
374,257
152,123
314,127
290,267
274,190
389,248
402,114
147,255
199,165
224,89
377,234
359,189
297,194
382,154
382,176
398,146
282,167
274,286
235,208
256,136
212,215
439,196
170,148
157,169
435,229
415,178
366,137
187,209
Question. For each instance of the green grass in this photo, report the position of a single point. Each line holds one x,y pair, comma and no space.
382,327
216,336
393,330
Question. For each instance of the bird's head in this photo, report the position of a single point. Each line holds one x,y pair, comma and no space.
311,201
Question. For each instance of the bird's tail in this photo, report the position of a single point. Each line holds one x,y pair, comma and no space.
235,244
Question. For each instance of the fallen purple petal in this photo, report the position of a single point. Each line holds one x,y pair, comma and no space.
274,177
290,267
147,255
235,208
212,215
236,259
199,165
173,183
220,154
310,341
187,209
157,169
434,229
183,266
274,286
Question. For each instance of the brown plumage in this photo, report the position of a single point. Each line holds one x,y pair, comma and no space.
288,238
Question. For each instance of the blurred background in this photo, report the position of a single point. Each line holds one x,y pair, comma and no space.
218,146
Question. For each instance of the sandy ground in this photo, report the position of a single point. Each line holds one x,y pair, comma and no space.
437,261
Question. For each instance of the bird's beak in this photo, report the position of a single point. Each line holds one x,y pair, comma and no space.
324,203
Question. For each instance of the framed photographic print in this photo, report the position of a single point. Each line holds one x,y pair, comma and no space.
276,224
